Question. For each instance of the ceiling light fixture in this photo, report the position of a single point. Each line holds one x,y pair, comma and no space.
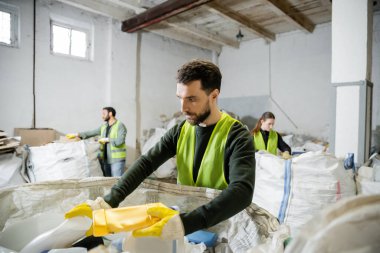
239,36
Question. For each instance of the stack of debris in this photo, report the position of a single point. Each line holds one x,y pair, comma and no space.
10,164
8,144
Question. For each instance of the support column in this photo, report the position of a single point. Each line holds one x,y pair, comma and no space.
350,74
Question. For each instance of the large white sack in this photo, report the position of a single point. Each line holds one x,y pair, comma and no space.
168,169
269,182
295,190
10,167
365,181
318,179
64,161
351,225
242,231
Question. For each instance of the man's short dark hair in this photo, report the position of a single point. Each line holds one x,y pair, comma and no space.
207,72
110,109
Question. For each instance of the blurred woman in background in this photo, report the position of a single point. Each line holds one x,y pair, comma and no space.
267,139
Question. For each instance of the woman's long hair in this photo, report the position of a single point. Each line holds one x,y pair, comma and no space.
265,116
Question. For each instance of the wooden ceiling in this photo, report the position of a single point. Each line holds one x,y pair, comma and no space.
213,24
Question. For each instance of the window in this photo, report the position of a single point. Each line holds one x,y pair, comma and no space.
8,25
69,40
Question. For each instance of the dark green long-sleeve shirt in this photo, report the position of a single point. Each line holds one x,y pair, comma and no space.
239,170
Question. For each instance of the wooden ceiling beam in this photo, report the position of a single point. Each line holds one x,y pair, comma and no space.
283,9
327,4
123,10
100,8
194,30
184,37
160,12
236,17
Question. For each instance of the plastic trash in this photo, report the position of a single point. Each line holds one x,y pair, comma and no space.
20,233
208,238
349,162
69,250
5,250
152,244
62,236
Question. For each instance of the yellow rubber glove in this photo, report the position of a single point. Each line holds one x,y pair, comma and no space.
103,140
72,136
106,221
169,227
86,209
286,155
83,209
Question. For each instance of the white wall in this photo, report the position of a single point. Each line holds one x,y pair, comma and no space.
295,71
16,74
133,73
160,60
70,93
375,77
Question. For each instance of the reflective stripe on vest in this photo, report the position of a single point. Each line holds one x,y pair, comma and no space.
271,145
117,152
211,171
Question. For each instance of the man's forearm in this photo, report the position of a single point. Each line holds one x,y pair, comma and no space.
227,204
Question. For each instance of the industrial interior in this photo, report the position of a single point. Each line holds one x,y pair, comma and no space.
186,126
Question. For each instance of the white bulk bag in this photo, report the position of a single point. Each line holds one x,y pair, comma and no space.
243,231
295,190
269,182
318,180
365,181
351,225
64,161
10,166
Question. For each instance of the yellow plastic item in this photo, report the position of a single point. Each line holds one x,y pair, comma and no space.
165,215
71,136
106,221
81,210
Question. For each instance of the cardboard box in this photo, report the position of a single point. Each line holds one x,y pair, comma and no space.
36,136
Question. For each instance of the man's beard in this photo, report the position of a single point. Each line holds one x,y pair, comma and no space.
107,118
199,118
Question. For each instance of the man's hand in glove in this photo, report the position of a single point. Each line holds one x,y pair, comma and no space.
72,136
86,208
169,226
103,140
286,155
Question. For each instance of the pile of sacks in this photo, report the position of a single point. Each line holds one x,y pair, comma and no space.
303,143
151,137
54,161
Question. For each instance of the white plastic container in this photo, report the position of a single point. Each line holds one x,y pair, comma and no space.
20,233
152,244
69,250
62,236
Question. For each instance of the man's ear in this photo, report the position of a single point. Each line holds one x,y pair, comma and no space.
215,93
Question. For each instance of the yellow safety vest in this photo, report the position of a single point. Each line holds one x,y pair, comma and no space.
117,152
211,171
271,145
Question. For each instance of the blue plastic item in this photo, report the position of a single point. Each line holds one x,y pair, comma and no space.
208,238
